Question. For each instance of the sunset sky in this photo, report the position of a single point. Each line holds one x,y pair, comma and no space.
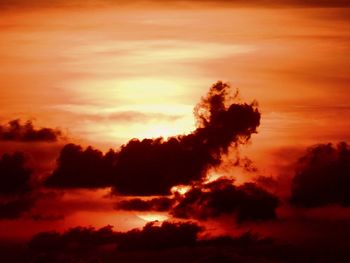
101,73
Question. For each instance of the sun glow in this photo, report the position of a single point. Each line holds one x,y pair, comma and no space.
151,217
180,189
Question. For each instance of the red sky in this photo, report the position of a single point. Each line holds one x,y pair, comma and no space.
106,72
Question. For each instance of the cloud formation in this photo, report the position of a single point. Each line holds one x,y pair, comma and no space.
15,131
168,242
150,237
246,202
78,168
323,176
154,166
159,204
15,207
14,174
15,186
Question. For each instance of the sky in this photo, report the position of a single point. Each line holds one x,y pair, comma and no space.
216,117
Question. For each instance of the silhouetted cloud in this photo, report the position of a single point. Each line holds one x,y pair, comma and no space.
169,242
78,168
150,237
77,238
247,202
159,204
14,174
153,166
153,237
15,131
15,207
323,176
15,187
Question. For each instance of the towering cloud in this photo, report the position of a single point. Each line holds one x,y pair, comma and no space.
15,131
153,166
323,176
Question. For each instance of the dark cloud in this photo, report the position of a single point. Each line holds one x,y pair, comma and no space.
159,204
15,207
247,202
168,242
323,177
15,131
151,236
79,238
153,166
14,174
15,187
78,168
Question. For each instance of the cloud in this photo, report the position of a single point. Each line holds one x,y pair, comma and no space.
14,175
154,166
15,187
322,177
168,242
153,237
160,204
74,239
150,237
15,131
78,168
247,202
14,208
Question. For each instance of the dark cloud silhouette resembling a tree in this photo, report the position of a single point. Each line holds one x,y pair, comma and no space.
154,166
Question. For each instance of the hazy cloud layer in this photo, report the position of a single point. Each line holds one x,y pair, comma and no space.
253,3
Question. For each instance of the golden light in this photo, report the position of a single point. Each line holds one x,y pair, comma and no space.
212,176
151,217
180,189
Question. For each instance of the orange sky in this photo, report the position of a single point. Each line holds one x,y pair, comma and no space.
109,74
106,74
